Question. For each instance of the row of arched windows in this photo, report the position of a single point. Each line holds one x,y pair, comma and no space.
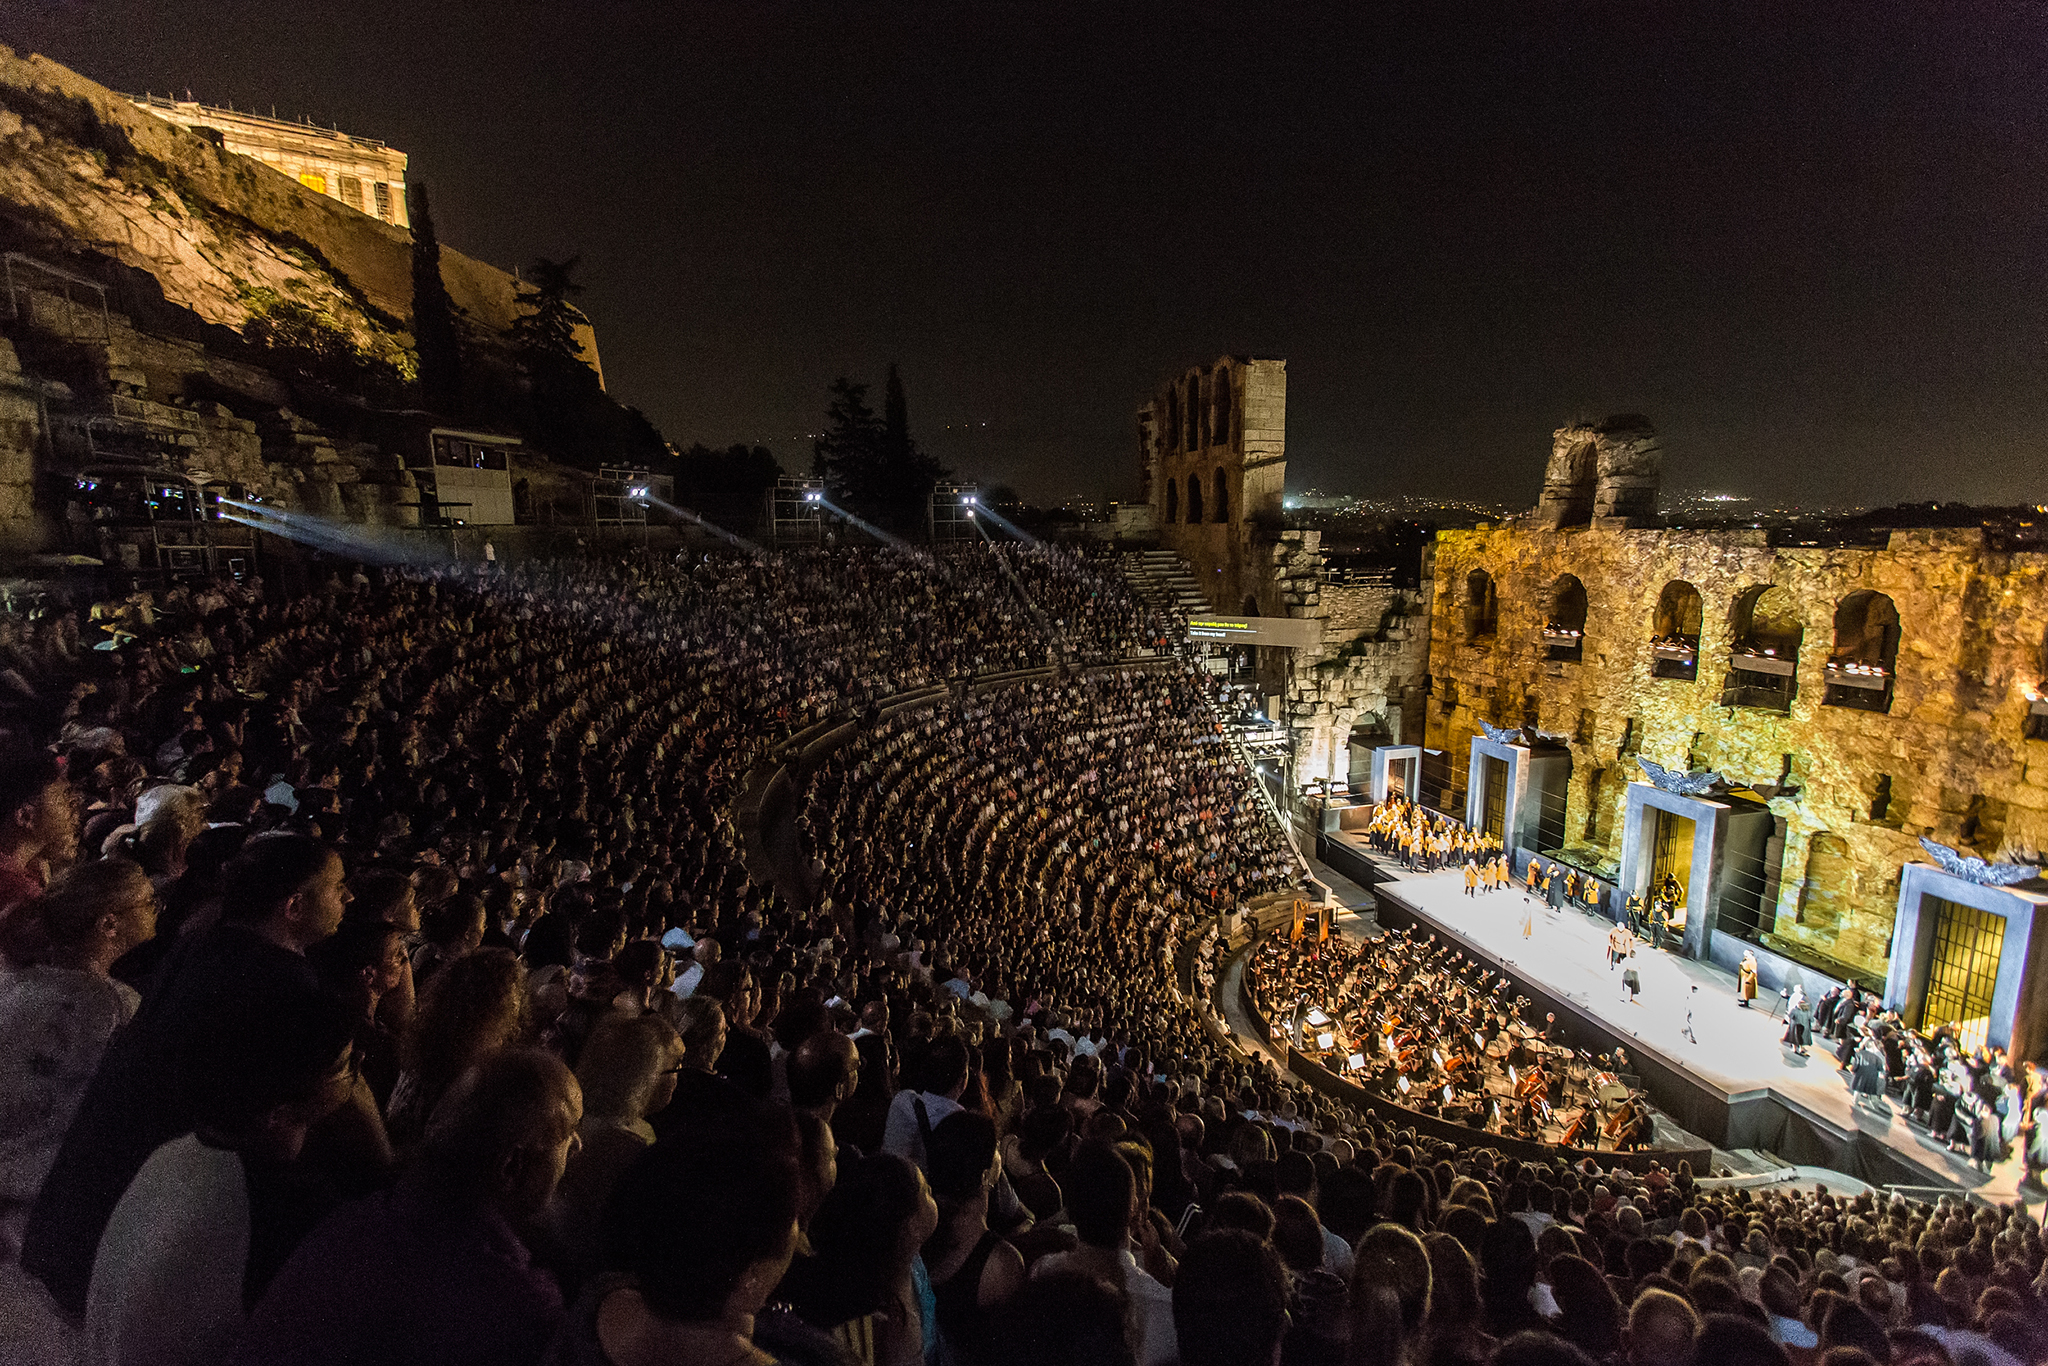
1766,633
1192,424
1219,503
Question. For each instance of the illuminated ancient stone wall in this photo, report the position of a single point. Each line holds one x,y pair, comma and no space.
1213,462
1851,784
1212,454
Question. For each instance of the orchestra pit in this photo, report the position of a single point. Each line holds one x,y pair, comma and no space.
819,956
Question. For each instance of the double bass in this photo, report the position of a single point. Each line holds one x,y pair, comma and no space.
1630,1125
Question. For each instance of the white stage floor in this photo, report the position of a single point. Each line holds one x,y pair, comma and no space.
1738,1050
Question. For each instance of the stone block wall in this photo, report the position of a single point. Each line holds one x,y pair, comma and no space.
1373,654
1227,422
218,231
1854,789
20,435
1231,418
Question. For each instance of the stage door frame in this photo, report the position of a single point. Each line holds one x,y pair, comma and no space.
1528,769
1711,821
1384,757
2018,1001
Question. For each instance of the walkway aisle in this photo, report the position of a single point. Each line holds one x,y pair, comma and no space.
1738,1050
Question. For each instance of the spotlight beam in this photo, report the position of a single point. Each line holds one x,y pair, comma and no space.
739,542
372,545
1005,523
1058,641
871,529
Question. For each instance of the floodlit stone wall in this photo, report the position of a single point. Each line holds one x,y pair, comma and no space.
1852,789
223,235
1213,461
1212,446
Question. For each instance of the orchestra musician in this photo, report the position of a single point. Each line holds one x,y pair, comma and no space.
1443,1036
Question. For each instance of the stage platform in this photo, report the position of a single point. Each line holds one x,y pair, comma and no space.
1737,1086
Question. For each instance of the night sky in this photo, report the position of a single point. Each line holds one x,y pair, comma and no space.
1807,240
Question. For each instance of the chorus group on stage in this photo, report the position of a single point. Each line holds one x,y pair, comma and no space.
1426,841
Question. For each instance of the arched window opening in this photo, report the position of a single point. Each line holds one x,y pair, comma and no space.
1219,431
1865,658
1194,499
1170,433
1482,607
1564,627
1194,428
1675,632
1221,511
1172,500
1763,667
2037,695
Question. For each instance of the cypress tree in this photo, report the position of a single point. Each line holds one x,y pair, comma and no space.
433,313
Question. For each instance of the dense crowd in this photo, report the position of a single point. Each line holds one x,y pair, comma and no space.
388,978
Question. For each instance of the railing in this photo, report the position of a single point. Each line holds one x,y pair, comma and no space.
1273,812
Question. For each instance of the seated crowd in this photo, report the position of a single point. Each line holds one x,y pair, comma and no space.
388,978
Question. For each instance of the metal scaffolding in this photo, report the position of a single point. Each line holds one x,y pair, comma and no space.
796,510
953,513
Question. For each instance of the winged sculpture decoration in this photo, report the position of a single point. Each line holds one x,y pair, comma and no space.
1521,735
1976,870
1684,784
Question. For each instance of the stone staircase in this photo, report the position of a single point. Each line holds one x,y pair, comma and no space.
1161,578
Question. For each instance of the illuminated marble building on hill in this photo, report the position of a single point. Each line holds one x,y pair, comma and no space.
362,173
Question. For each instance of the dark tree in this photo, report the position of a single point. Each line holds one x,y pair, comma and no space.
873,467
568,413
545,334
727,487
847,455
433,313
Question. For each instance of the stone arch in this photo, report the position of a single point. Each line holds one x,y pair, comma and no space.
1251,605
1219,510
1170,428
1766,630
1219,427
1194,499
1564,624
1482,606
1680,610
1867,630
1568,603
1173,500
1194,402
1675,631
1830,882
1766,621
1865,656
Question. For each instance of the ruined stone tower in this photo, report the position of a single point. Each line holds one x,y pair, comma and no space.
1603,473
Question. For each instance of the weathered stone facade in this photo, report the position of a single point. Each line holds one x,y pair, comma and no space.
362,173
223,235
1213,471
1944,624
1212,463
